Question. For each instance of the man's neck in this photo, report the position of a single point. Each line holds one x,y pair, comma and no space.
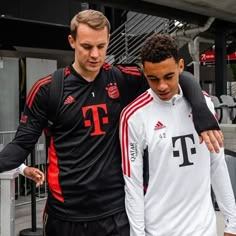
88,76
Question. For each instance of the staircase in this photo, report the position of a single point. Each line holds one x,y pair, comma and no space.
127,40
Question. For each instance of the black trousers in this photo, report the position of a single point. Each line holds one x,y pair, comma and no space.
115,225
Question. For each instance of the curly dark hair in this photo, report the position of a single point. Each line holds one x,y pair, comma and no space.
158,48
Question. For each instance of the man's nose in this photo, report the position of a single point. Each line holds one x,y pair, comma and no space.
162,86
94,52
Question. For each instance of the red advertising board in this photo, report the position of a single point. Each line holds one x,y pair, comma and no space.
209,56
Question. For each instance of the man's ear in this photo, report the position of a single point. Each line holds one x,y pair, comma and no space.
181,65
71,41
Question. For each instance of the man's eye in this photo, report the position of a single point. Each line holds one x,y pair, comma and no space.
152,78
87,47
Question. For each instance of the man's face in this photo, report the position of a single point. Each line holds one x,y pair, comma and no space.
90,49
163,77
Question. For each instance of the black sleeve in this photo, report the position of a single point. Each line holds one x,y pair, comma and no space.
33,120
132,82
202,117
14,154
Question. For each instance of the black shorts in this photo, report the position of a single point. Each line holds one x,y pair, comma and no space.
115,225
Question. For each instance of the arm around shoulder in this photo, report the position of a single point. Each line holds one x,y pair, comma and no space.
204,121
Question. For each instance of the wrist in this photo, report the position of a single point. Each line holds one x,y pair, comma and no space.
21,169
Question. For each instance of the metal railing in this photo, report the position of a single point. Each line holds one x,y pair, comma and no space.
15,189
22,186
127,40
7,199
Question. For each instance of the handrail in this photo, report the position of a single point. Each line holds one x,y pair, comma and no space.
7,196
127,40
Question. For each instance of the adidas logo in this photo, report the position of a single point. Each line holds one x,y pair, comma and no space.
69,100
159,125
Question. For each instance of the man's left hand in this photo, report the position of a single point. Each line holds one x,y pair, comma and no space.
35,174
214,139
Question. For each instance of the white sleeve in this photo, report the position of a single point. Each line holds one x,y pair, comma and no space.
132,165
222,188
221,185
21,169
211,106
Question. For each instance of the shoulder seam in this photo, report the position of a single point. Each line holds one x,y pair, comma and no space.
35,89
138,103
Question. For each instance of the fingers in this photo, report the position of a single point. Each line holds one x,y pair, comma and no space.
219,136
38,182
35,174
214,139
39,174
38,177
205,138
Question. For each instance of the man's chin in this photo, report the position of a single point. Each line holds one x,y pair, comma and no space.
94,67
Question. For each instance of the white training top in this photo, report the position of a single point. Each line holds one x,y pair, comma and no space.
178,196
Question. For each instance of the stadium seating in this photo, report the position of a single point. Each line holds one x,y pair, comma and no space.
222,110
229,101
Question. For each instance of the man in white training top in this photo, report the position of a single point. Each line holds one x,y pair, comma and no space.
168,173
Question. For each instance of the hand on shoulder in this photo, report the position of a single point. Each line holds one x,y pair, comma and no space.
214,139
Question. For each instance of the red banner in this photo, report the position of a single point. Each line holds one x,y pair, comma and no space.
209,56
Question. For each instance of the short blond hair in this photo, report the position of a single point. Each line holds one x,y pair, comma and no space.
94,19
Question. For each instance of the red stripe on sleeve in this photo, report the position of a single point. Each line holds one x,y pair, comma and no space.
106,66
130,70
35,88
125,115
